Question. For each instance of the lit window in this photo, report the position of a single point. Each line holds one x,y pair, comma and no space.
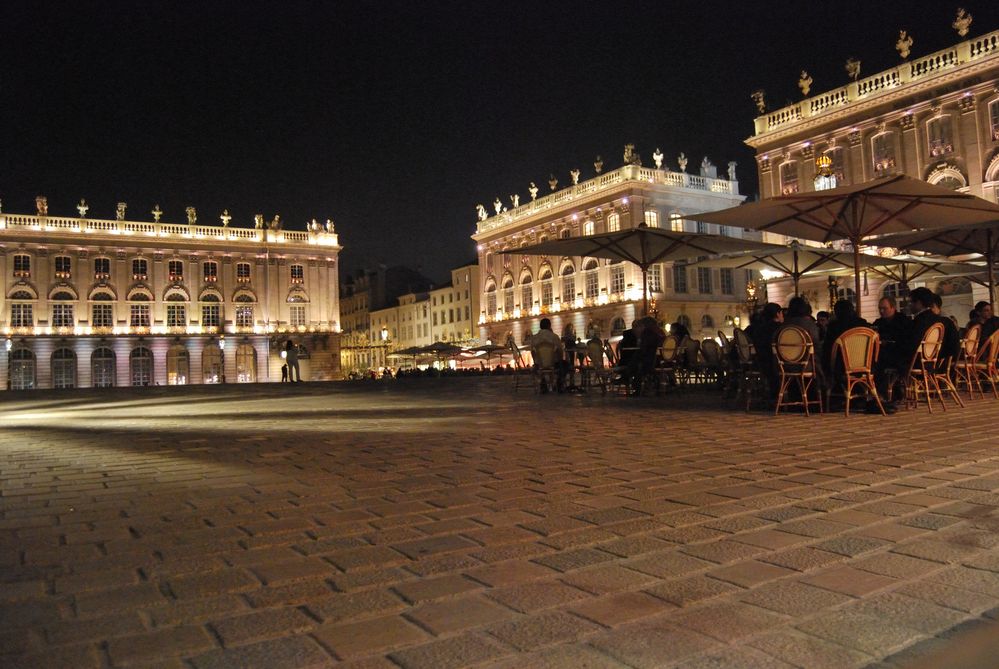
210,315
508,296
676,222
22,266
175,268
526,292
591,279
243,272
838,164
655,277
63,267
297,274
176,315
102,316
297,316
210,270
617,278
613,223
883,152
139,315
588,228
940,135
789,177
62,315
244,317
568,284
491,299
547,291
652,218
21,316
994,120
140,269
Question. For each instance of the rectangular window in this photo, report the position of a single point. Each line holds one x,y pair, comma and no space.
210,270
508,300
592,281
679,277
297,315
468,311
568,288
704,280
789,177
210,315
727,283
102,316
994,120
547,293
176,315
617,278
613,222
526,296
175,268
883,151
62,315
139,315
676,222
139,269
298,274
22,266
63,267
244,317
655,279
940,134
102,268
652,218
21,316
435,318
243,272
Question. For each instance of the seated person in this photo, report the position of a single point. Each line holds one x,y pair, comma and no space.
650,338
545,334
762,335
920,303
990,323
844,318
799,314
951,348
822,321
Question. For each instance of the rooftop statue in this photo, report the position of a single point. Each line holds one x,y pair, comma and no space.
731,170
681,160
119,212
276,223
82,208
853,68
258,221
804,83
552,182
760,98
708,169
480,210
598,165
515,199
497,205
962,22
658,158
575,176
329,225
631,157
192,215
533,190
226,217
42,205
904,44
156,212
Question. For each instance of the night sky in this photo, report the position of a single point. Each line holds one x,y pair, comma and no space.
397,118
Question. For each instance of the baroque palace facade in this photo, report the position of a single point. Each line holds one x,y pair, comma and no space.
595,295
99,303
934,118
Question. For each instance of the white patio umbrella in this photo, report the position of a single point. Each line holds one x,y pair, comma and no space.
856,211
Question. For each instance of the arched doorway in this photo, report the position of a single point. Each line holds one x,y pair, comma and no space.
22,369
246,364
63,368
102,368
211,363
178,366
141,366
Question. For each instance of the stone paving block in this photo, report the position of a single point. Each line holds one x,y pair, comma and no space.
458,614
801,559
377,635
511,552
509,573
99,580
293,593
367,557
868,634
212,583
289,571
557,657
744,657
569,560
895,565
83,656
851,545
722,552
918,614
939,551
75,631
433,588
617,609
536,595
793,598
545,629
172,642
261,625
130,597
298,652
440,544
969,579
690,590
453,653
350,606
442,564
750,573
605,579
652,643
804,650
728,622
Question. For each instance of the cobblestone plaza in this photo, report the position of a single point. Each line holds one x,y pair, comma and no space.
453,523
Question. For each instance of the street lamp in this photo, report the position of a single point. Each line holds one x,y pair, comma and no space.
222,352
9,344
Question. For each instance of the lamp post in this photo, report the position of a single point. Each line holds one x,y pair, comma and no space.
222,356
9,344
384,333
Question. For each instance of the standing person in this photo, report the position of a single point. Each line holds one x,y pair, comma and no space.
294,373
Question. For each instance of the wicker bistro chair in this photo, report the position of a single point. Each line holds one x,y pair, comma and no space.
795,355
521,373
596,372
858,347
712,361
988,362
668,362
545,359
923,377
751,380
689,360
964,367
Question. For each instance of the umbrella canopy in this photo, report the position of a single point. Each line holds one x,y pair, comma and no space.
488,349
853,212
406,352
441,349
643,246
980,239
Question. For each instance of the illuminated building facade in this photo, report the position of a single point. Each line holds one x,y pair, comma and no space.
934,118
595,295
99,303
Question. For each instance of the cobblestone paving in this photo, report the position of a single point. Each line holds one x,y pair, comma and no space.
435,524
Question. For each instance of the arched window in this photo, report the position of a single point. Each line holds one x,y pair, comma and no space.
618,326
102,310
547,290
102,368
178,366
568,284
246,364
613,223
508,295
63,368
684,320
846,294
940,136
211,363
491,299
588,228
22,369
883,153
526,292
141,366
789,177
591,279
62,310
707,322
652,218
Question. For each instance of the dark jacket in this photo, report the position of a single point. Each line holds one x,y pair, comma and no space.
835,329
921,322
894,332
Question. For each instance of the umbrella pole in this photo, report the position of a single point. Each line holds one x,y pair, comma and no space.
796,275
856,273
645,291
990,258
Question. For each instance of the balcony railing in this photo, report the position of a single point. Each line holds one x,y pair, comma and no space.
882,83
